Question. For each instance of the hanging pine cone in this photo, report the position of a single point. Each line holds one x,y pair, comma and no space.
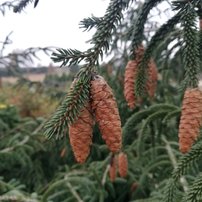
80,134
191,119
122,164
129,83
113,168
130,76
106,113
152,78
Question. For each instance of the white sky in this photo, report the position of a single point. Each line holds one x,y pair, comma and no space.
51,23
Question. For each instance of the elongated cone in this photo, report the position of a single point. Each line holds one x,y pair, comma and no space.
130,76
152,78
106,113
122,164
80,134
191,119
113,169
129,83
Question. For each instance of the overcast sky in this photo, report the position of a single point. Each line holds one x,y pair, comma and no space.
51,23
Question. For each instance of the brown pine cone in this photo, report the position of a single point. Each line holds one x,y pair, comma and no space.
191,119
122,164
129,83
130,76
113,169
106,113
152,78
80,134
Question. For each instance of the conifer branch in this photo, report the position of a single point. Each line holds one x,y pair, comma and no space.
69,56
74,192
174,113
173,159
187,160
136,118
70,108
200,38
161,33
137,35
194,193
88,23
5,5
23,4
191,50
152,117
100,39
181,4
170,191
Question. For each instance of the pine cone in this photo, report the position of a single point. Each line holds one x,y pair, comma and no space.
80,134
106,113
130,76
113,169
122,164
152,78
129,83
191,119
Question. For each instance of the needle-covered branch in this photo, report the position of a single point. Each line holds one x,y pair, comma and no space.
100,40
138,32
69,56
195,191
191,49
88,23
5,5
23,4
71,106
158,36
187,161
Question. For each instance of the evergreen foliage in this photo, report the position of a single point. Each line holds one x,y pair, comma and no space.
138,32
22,4
191,54
37,169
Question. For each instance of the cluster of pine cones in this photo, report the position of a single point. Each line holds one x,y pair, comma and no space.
118,163
101,108
191,116
131,74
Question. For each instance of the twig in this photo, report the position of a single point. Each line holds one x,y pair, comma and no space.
173,160
74,193
24,141
105,175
